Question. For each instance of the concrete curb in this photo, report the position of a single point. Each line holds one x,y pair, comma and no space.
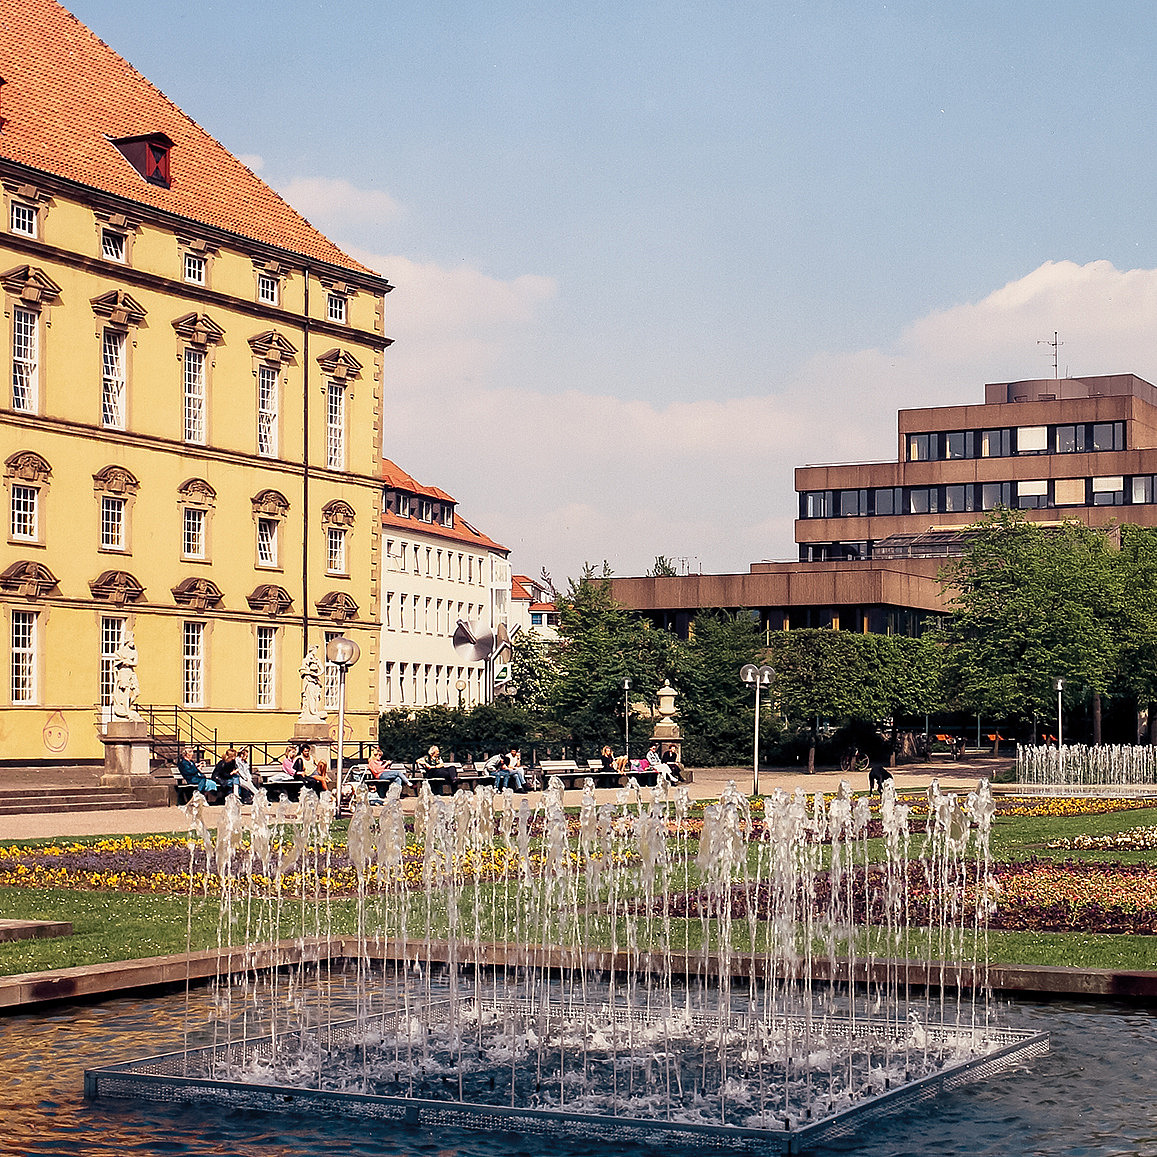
33,989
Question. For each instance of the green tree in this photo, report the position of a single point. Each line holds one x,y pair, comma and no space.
1030,603
534,670
716,710
600,643
821,674
663,568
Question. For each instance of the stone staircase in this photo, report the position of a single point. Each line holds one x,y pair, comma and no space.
29,800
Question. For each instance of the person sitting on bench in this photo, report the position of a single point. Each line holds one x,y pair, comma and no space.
190,771
384,772
878,775
432,766
307,773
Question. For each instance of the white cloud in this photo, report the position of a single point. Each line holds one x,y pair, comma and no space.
335,204
252,161
571,477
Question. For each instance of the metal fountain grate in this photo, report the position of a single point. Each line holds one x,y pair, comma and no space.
193,1076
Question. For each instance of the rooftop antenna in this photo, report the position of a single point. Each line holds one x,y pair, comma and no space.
1056,343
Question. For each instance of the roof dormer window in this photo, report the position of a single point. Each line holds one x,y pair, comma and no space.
149,155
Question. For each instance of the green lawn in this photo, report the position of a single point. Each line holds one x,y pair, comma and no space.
111,926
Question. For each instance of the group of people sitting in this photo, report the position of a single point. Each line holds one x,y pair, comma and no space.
666,766
231,774
506,767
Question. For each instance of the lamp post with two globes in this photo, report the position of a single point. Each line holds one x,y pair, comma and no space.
756,677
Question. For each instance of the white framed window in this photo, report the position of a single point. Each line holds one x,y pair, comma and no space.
266,667
267,287
388,616
267,399
335,308
193,535
335,555
112,246
426,615
429,557
194,424
402,683
112,634
402,611
22,219
332,676
387,683
193,664
335,426
194,269
402,556
112,522
427,513
112,390
267,554
25,359
403,506
25,526
24,657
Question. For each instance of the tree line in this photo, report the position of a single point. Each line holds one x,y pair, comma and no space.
1024,604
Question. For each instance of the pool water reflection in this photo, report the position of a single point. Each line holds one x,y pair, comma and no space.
1094,1094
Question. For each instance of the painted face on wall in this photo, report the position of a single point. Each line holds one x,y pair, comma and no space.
55,733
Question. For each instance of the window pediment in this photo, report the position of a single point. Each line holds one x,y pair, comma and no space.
340,364
198,594
337,606
27,466
119,308
30,284
270,598
29,580
272,346
337,513
118,587
197,492
115,480
271,503
198,329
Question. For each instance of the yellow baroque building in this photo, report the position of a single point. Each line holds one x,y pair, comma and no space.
190,416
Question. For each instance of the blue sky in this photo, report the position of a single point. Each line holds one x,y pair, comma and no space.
651,256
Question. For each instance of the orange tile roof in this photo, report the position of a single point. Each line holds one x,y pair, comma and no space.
67,95
517,590
394,476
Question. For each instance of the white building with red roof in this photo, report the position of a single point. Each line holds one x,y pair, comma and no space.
532,606
436,569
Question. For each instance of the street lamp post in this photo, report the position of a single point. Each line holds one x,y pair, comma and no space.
627,719
343,653
1059,687
756,677
461,686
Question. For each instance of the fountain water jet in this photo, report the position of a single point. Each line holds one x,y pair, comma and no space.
545,972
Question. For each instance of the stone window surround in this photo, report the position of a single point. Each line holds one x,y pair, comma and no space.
271,506
27,468
116,482
31,289
197,494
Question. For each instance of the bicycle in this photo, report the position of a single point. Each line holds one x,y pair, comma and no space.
854,760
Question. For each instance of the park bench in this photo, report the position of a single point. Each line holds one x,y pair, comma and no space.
566,770
603,778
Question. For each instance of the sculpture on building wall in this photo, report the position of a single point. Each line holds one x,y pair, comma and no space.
126,687
312,697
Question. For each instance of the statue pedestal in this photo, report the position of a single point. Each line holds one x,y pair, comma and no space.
126,752
127,762
316,734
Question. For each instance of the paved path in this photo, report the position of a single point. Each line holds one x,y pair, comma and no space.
709,782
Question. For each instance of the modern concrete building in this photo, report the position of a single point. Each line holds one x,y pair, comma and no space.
872,537
436,570
190,422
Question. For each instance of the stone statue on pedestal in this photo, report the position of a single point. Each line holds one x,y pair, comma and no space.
312,696
126,687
